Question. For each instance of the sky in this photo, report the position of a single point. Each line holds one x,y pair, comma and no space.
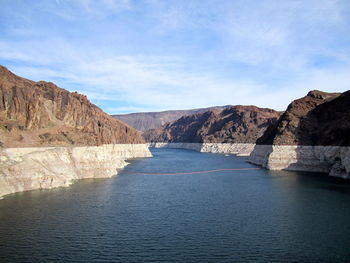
151,55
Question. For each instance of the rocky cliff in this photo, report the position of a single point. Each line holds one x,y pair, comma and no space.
42,114
312,135
24,169
144,121
91,143
319,118
236,124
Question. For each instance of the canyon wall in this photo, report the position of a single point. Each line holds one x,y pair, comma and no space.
313,134
144,121
319,118
23,169
235,124
42,114
50,137
334,160
239,149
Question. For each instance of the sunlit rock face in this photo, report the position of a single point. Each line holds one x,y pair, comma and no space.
50,137
334,160
42,114
23,169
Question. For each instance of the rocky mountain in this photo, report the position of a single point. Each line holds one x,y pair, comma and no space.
42,114
235,124
319,118
144,121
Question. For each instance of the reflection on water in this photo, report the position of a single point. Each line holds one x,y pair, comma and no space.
229,216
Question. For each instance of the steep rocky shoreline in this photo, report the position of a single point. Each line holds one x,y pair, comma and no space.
312,135
24,169
333,160
50,137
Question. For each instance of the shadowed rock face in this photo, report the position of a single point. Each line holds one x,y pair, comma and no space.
236,124
42,114
144,121
319,118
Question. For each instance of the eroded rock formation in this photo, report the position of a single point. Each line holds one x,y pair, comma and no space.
312,135
237,124
319,118
23,169
144,121
239,149
91,143
42,114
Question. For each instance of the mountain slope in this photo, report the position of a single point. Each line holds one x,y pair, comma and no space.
40,113
319,118
144,121
236,124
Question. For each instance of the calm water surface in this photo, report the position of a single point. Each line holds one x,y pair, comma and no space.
229,216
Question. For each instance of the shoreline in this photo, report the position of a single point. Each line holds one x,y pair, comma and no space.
334,160
239,149
31,168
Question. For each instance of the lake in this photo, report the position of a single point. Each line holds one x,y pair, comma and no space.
151,214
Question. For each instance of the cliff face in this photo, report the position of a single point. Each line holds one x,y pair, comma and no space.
237,124
42,114
24,169
144,121
312,135
319,118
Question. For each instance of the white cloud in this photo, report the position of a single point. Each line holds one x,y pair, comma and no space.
150,83
183,54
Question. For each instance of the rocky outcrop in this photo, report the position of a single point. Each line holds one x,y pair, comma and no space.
239,149
144,121
236,124
24,169
42,114
334,160
37,114
312,135
319,118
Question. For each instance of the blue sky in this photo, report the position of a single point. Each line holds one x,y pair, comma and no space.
151,55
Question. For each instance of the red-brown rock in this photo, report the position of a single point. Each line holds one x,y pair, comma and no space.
319,118
236,124
42,114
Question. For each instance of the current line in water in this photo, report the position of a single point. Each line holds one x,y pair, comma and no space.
197,172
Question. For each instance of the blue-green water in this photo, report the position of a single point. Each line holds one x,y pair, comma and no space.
229,216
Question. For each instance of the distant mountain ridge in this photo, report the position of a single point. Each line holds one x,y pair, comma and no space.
144,121
235,124
42,114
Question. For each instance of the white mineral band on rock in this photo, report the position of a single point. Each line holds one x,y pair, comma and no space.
23,169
